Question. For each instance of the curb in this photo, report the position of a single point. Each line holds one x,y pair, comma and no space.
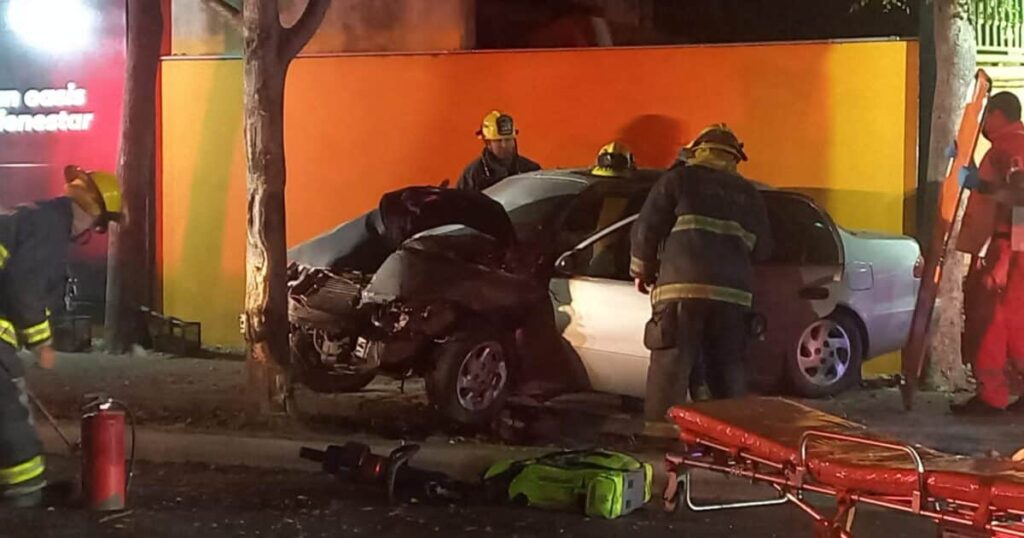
173,445
462,461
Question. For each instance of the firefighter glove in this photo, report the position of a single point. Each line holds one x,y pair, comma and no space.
969,178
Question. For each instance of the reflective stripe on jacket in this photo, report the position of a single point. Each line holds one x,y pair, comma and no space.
697,234
34,244
22,472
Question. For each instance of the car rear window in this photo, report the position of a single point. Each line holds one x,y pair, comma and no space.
802,234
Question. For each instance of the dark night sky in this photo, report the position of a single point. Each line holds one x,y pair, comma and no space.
775,20
506,23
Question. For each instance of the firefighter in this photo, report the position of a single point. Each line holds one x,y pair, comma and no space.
707,222
34,244
994,288
614,160
500,158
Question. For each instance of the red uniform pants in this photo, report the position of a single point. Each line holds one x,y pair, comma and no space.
994,324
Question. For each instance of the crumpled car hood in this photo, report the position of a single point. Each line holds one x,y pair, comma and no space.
467,269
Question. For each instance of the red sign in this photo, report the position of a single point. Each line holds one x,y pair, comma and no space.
62,65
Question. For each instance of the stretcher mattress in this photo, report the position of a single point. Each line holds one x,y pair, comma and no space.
771,429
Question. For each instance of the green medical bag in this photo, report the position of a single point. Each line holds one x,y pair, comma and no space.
603,483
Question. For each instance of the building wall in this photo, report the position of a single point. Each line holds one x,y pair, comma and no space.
349,26
838,120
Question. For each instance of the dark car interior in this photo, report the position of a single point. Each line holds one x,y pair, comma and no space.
803,234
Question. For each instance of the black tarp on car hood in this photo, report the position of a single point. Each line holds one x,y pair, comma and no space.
364,242
410,211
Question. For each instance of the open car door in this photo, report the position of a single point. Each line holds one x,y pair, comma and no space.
600,313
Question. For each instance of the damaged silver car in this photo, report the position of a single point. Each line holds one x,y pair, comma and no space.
525,289
376,296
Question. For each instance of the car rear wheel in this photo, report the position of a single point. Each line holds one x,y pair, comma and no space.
471,378
827,357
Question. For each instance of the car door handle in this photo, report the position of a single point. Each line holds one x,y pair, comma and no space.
814,293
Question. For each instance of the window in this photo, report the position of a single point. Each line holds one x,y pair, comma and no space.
802,234
534,203
607,257
597,208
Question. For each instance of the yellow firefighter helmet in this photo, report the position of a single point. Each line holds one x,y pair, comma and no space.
614,160
720,136
98,193
497,126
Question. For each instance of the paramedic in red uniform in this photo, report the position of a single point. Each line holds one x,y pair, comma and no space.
994,289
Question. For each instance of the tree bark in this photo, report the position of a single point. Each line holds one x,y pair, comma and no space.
269,49
955,53
131,256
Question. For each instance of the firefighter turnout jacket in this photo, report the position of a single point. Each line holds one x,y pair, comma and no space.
697,234
34,244
487,170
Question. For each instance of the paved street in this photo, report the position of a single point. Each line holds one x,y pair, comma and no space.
189,500
191,395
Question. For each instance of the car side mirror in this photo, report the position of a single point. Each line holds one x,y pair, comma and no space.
445,184
566,263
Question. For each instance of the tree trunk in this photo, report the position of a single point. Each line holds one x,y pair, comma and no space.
955,53
269,49
130,259
266,306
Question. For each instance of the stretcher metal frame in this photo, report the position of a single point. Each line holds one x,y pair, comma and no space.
956,519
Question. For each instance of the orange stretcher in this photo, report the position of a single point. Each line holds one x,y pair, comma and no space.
798,450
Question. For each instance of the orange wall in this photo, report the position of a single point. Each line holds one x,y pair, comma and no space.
836,119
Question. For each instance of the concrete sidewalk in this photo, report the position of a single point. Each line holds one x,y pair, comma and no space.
206,395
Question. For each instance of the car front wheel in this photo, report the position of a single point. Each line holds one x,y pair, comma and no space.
827,357
310,371
471,378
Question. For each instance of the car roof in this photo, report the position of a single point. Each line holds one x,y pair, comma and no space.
642,180
642,177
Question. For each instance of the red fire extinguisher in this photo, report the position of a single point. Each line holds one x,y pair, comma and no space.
105,479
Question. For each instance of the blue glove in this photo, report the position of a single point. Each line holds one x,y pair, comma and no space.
969,178
951,150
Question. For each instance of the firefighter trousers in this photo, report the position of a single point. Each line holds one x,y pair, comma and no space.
683,332
994,323
21,460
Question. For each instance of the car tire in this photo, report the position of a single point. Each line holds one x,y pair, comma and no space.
309,372
471,378
827,358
